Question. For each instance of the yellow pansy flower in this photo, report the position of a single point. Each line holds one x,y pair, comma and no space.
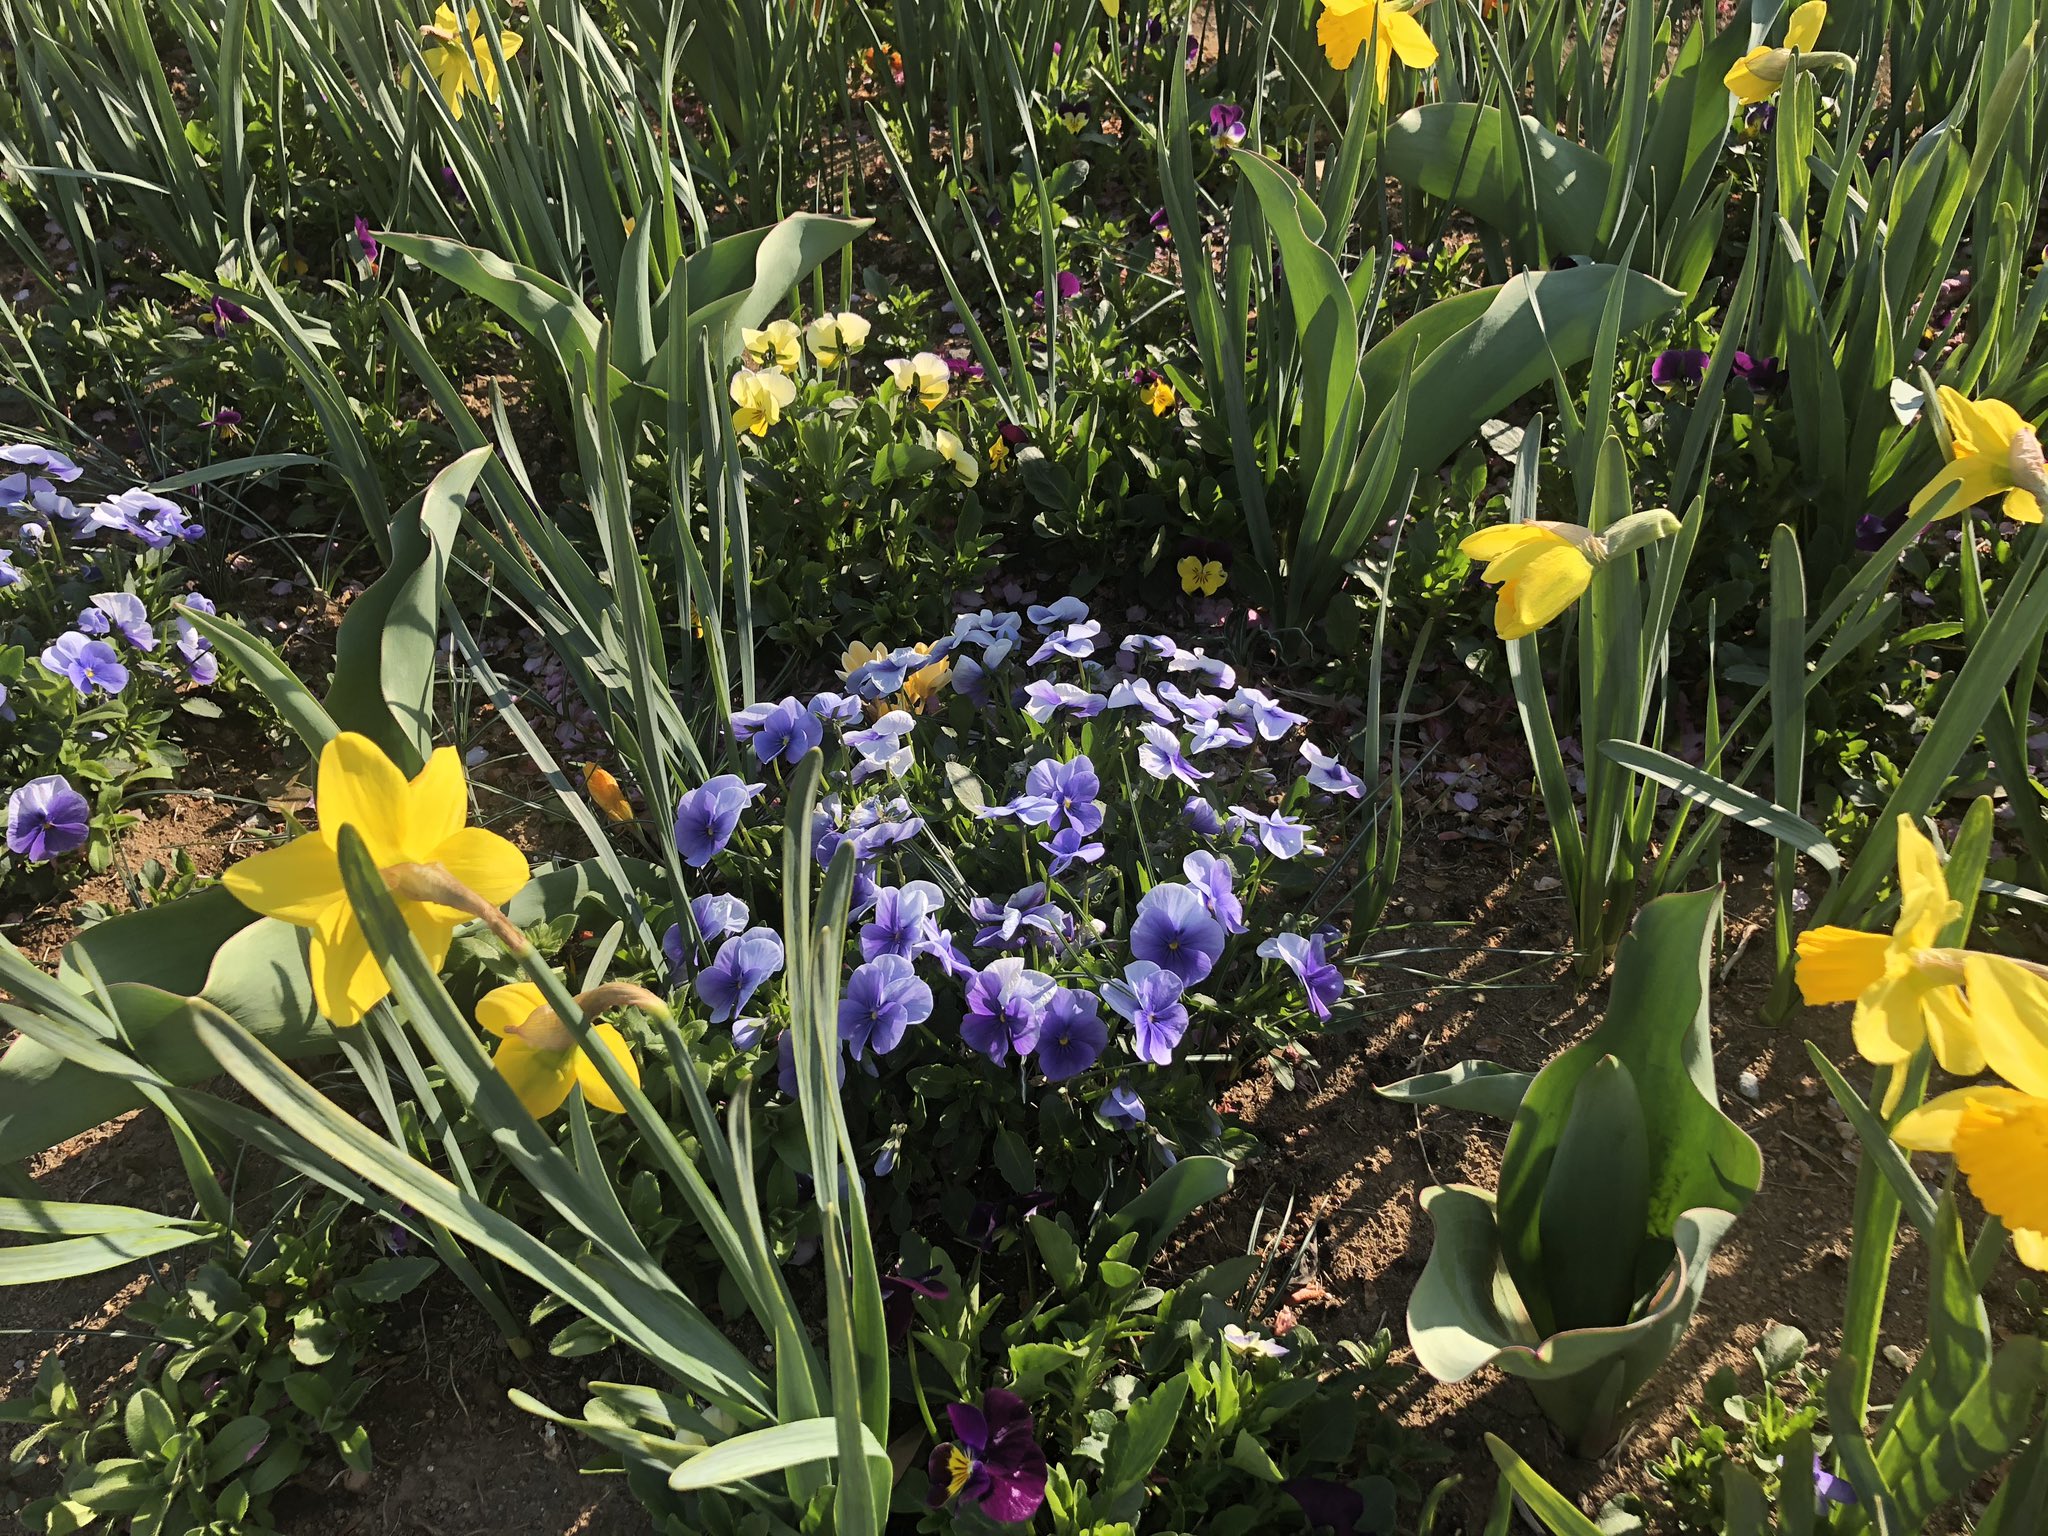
1159,395
1907,992
1199,575
538,1056
779,344
835,337
955,453
1757,75
605,790
760,398
449,56
1346,25
416,834
922,686
1999,1135
1992,449
925,376
998,454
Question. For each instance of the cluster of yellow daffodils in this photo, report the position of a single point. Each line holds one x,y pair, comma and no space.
538,1055
1542,568
1993,451
1975,1012
1347,25
441,871
458,55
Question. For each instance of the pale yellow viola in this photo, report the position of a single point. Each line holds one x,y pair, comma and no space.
778,344
461,65
957,458
924,376
1998,1134
1993,451
1757,75
1907,990
834,338
416,833
540,1058
1345,26
759,399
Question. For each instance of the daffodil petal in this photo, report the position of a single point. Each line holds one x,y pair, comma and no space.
2001,1146
485,862
541,1079
1490,544
2022,506
347,982
1888,1025
1341,32
594,1089
1837,965
1407,38
1745,83
503,1009
1804,29
437,800
358,786
1541,588
296,883
1932,1127
1952,1030
2010,1006
2031,1248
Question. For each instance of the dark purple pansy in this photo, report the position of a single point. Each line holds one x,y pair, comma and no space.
900,1293
1012,434
993,1460
46,817
227,312
1760,373
1226,125
1872,530
1327,1505
367,248
1680,365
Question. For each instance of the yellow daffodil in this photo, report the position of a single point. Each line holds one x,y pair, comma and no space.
605,790
760,398
925,376
415,832
835,337
1199,575
538,1055
1543,568
1346,25
1757,75
779,345
461,66
1159,395
1992,449
1999,1135
955,453
1907,991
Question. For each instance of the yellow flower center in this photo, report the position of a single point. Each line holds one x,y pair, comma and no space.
959,1467
2002,1149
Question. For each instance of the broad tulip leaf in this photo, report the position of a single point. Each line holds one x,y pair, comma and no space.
1596,1201
1458,152
763,1451
1481,1086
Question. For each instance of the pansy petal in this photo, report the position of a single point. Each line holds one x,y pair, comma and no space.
542,1079
1836,965
593,1084
295,883
503,1009
485,862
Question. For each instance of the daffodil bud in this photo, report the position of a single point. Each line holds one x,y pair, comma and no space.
1636,531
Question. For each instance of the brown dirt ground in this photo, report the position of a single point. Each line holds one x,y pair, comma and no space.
454,1456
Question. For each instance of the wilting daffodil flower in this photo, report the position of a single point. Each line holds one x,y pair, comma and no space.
1991,449
605,790
778,345
1907,991
955,453
833,337
1998,1135
1757,75
1199,575
538,1055
449,56
1346,25
760,398
1543,568
925,376
440,871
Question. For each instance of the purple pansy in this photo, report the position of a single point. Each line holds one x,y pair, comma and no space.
1323,982
1226,125
1830,1489
1329,775
1278,833
902,920
1043,700
227,312
1679,365
1121,1107
1072,787
1075,641
1173,930
91,666
1010,924
1219,673
1058,613
46,818
716,916
1760,373
1137,693
883,998
1202,817
366,247
784,730
1067,847
736,972
1265,713
883,747
1006,1005
1161,756
1072,1036
1149,997
1213,880
992,1462
708,815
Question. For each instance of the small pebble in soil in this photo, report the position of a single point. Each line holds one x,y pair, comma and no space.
1750,1086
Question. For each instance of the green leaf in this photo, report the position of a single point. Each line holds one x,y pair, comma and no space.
1480,1086
1716,794
1458,152
1059,1252
762,1451
235,1446
1544,1502
382,1281
1140,1438
1165,1203
1596,1203
39,1263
